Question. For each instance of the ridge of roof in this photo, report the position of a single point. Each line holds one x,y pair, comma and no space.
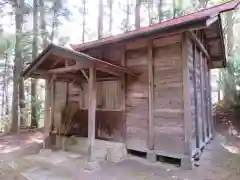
204,13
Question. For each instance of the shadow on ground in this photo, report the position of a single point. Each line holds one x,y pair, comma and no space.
21,160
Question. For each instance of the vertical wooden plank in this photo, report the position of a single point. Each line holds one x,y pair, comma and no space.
47,106
212,122
123,92
92,100
197,122
52,105
206,98
67,84
186,97
150,97
208,102
202,97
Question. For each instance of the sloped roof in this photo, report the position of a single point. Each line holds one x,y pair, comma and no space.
55,56
190,18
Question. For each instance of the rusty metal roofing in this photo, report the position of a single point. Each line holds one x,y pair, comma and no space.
197,16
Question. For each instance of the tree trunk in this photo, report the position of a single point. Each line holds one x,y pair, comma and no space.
160,12
22,102
150,12
34,119
203,3
17,65
54,20
137,14
43,23
4,84
230,39
174,8
83,21
127,18
6,100
110,2
228,94
100,19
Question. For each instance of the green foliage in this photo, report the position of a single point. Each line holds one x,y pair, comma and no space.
229,81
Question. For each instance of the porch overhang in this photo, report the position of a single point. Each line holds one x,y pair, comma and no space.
68,65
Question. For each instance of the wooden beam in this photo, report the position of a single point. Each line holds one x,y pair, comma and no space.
66,69
123,91
212,20
39,62
91,111
212,120
199,44
47,114
202,97
52,105
186,97
84,59
197,122
84,74
107,79
110,71
150,97
205,75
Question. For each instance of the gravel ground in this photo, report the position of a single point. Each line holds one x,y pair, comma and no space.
20,154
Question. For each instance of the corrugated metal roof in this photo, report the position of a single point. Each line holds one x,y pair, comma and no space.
200,15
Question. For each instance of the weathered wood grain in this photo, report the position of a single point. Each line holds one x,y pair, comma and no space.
60,102
92,97
137,94
150,97
186,98
168,98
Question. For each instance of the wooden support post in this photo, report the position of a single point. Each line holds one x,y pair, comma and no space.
202,97
197,123
206,99
199,44
210,105
187,162
91,111
47,115
52,106
123,89
150,97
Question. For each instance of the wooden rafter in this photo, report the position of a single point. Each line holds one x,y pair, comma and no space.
199,44
73,68
84,74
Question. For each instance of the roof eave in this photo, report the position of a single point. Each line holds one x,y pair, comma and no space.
198,23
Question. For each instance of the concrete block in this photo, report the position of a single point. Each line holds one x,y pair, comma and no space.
58,142
151,157
187,163
116,153
91,166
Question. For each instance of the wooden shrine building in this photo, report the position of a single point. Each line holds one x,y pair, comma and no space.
149,88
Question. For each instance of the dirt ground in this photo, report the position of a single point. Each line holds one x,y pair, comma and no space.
20,157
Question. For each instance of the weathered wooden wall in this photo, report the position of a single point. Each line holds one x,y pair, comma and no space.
200,94
108,116
108,95
194,87
60,101
168,100
160,85
137,100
